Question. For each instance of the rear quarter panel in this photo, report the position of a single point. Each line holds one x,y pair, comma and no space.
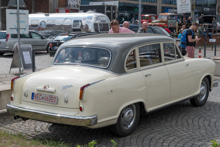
202,68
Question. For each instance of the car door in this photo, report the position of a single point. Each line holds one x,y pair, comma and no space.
37,41
180,74
155,75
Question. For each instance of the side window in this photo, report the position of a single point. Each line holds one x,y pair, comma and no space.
149,30
149,55
131,60
25,36
170,52
35,36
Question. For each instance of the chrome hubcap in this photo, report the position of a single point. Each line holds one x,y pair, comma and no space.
203,91
128,116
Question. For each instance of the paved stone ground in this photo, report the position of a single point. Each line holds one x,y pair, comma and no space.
179,125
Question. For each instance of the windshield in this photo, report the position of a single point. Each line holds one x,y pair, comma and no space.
145,18
62,38
162,17
162,31
86,56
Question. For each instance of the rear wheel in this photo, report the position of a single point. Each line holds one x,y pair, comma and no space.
1,53
201,99
127,120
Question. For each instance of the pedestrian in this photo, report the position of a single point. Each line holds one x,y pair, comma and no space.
116,29
171,28
126,24
189,20
201,19
197,19
180,33
183,27
132,20
191,40
214,26
180,20
203,31
144,28
166,28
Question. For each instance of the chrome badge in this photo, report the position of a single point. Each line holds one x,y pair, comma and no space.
26,93
46,89
67,86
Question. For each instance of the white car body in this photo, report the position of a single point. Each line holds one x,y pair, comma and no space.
111,89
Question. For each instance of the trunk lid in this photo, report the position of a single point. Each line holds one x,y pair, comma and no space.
64,82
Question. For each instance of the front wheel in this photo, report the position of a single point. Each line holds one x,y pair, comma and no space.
201,99
127,120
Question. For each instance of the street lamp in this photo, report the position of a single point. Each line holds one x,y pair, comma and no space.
139,14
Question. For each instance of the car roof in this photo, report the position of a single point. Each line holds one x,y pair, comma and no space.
118,44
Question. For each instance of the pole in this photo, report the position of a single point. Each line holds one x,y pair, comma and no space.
199,52
205,49
18,30
139,14
215,48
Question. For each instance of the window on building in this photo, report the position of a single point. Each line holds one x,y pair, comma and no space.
172,2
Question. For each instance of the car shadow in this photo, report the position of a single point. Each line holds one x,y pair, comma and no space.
178,123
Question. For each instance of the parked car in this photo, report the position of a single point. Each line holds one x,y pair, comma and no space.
148,18
156,30
109,79
38,42
54,45
165,19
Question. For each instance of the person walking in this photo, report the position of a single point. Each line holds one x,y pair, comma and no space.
191,40
171,28
214,26
144,28
116,29
201,19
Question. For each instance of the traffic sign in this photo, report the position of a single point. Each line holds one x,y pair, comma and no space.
13,3
11,21
212,40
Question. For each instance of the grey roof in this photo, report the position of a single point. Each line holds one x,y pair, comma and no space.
118,44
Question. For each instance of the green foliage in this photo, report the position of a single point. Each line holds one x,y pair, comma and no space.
114,144
92,143
215,144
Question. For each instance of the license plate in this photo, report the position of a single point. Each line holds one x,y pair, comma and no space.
44,98
55,47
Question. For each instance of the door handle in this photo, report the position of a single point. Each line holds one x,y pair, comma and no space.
187,64
147,75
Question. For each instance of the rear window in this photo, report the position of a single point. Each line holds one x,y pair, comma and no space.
85,56
3,35
63,38
21,36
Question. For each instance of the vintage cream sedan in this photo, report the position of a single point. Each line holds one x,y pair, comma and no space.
109,80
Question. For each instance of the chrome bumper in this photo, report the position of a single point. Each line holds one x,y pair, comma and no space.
52,117
215,83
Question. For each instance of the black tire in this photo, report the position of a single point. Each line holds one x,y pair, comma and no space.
47,49
201,99
1,54
121,130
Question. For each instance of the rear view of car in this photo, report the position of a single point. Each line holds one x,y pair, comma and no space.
54,45
3,40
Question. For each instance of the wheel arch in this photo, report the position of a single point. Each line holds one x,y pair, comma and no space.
209,77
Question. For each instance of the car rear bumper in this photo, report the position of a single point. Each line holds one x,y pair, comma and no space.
52,117
215,83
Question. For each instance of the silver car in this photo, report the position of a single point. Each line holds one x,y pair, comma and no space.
8,42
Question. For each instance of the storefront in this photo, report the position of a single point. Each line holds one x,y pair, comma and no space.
206,7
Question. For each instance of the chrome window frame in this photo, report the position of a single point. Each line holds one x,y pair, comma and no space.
80,64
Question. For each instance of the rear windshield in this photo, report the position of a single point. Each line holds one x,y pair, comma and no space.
85,56
62,38
3,35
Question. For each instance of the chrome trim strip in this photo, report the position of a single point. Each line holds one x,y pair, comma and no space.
215,83
52,117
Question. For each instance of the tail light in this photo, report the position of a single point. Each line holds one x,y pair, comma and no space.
82,90
12,82
12,98
51,45
7,37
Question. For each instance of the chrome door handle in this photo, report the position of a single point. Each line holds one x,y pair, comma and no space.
187,64
147,75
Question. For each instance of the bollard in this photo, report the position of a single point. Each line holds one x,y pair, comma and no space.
215,48
33,61
199,52
205,49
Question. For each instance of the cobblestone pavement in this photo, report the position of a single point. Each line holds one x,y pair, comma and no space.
179,125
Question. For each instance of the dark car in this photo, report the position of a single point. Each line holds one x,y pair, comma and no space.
54,45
